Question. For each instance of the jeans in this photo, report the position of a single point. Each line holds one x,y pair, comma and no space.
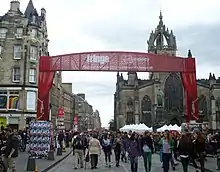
147,161
94,160
166,161
161,159
117,157
107,155
134,164
202,161
185,163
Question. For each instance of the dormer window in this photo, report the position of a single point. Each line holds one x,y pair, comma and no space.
34,19
3,33
34,33
1,49
19,32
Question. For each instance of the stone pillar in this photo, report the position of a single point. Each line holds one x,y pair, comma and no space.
136,113
213,111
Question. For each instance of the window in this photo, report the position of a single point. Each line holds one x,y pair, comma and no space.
3,99
19,32
31,100
1,49
3,32
13,100
33,53
17,52
32,75
34,33
16,74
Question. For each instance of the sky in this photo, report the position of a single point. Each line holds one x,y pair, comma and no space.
102,25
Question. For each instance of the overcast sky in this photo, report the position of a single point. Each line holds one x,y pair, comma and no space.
90,25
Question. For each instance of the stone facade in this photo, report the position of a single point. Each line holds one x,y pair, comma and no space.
61,96
160,99
23,38
87,118
96,120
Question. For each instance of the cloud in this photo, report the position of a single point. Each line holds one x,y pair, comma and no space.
85,25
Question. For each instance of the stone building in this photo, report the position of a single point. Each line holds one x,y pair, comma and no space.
23,38
96,120
61,96
84,113
159,100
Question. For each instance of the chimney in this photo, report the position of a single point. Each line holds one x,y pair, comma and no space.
15,5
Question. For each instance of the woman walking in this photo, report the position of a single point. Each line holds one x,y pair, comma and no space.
147,150
107,149
134,152
167,147
94,151
185,150
200,149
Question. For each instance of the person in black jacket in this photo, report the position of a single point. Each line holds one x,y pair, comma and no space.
147,150
185,149
78,151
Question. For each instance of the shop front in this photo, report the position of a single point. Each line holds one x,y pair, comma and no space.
13,122
3,121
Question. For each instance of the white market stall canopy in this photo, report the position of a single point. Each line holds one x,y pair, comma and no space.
136,128
170,128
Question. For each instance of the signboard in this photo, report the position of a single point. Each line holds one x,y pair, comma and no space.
60,113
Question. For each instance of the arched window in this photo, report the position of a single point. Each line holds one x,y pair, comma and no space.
173,94
146,103
130,114
146,110
202,105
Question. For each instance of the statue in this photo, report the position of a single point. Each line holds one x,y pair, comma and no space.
160,96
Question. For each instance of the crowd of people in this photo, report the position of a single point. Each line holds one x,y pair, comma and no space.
127,147
170,146
11,142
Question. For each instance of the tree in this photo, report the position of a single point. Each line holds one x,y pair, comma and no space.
111,124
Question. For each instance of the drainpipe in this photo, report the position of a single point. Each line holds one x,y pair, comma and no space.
25,54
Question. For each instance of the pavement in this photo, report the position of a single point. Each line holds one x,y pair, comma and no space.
67,166
42,164
64,163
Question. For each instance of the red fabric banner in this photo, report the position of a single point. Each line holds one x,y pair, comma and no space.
45,82
190,87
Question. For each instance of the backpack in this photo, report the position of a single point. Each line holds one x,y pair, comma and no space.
78,143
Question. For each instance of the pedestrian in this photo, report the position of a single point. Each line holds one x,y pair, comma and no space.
117,148
185,149
78,151
200,149
94,151
147,150
134,151
107,149
167,147
11,150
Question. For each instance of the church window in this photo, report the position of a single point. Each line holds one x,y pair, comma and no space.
173,94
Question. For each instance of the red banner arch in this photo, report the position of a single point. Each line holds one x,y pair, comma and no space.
117,61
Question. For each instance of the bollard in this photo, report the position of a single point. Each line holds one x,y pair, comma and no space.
31,164
50,155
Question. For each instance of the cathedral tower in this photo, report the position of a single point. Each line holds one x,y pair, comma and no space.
168,85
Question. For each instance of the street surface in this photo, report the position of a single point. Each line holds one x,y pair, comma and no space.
42,164
67,166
